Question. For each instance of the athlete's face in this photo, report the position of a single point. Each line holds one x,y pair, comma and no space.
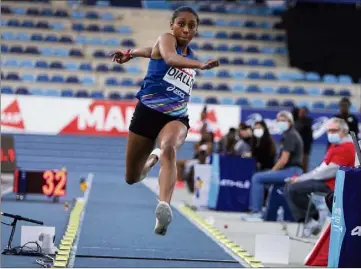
184,27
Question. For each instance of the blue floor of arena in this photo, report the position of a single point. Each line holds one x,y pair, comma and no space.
119,219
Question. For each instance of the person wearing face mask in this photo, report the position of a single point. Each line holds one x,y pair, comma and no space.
263,146
288,164
322,178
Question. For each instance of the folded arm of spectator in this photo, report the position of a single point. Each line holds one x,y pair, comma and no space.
282,161
322,172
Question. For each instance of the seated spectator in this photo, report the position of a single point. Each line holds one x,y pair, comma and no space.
289,164
227,143
322,178
243,145
207,139
202,158
263,146
184,166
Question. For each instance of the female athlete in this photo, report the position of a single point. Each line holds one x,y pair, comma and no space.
161,113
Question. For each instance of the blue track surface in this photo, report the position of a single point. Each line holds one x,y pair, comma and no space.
119,221
131,263
119,218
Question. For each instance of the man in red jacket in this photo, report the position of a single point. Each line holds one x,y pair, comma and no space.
322,178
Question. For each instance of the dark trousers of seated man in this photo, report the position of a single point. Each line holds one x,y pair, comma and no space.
298,196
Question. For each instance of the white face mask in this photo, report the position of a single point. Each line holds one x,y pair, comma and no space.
334,138
258,132
283,126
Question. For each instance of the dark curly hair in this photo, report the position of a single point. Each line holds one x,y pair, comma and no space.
184,9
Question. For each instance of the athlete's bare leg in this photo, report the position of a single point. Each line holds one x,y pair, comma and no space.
138,158
170,139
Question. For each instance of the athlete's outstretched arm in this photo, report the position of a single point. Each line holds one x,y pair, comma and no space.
123,56
141,52
167,45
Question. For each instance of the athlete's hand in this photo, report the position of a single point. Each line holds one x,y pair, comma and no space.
121,56
291,180
209,64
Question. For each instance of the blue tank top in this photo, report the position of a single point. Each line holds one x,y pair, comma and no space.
167,89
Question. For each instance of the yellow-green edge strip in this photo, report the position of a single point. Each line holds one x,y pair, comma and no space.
63,252
66,243
221,238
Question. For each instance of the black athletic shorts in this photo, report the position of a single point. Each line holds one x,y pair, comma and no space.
148,122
